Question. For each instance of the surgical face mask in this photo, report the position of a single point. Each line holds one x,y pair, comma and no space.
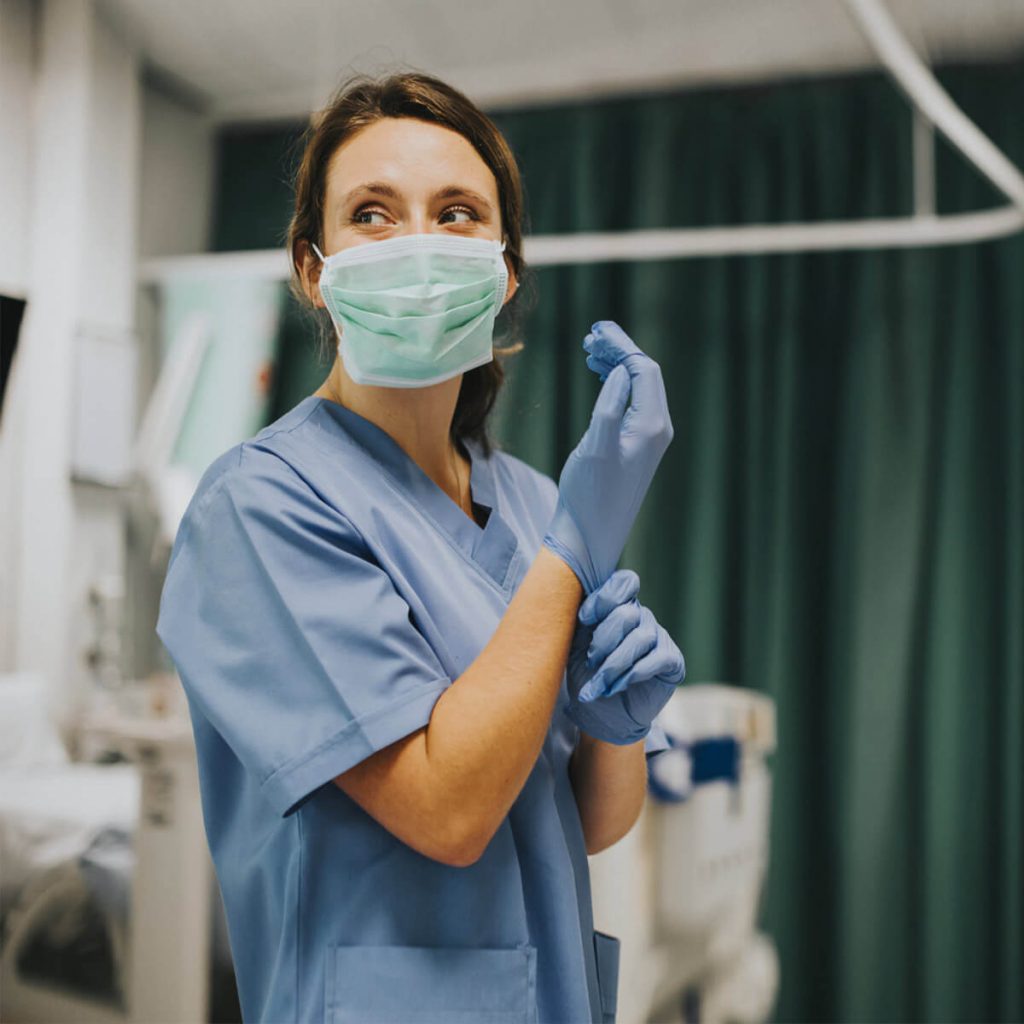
415,309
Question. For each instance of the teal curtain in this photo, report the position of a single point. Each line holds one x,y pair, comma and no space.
840,519
839,522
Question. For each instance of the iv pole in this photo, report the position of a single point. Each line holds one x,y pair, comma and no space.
933,107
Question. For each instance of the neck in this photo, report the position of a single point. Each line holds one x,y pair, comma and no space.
417,419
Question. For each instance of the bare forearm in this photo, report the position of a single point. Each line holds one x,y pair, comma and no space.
610,783
487,729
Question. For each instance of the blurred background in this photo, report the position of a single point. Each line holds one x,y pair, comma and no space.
838,526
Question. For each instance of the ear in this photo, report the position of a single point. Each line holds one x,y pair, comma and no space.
308,265
513,282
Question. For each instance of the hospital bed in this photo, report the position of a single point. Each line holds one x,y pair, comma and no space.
108,911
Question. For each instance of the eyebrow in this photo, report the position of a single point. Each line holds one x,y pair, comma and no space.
382,188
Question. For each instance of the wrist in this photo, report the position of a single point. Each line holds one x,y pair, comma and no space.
564,538
596,731
551,561
586,742
553,547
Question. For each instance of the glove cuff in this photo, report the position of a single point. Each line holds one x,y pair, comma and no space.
565,540
599,731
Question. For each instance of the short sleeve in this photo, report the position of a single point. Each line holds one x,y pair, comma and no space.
287,635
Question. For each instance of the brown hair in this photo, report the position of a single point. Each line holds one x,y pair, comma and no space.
360,102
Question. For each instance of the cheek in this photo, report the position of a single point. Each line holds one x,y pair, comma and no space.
334,239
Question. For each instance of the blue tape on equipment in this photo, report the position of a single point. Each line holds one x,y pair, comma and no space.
716,759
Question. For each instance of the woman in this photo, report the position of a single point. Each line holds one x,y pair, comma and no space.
378,621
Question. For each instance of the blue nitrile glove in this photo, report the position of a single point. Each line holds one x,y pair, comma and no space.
606,476
623,667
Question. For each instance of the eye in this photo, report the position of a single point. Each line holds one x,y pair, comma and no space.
368,211
471,214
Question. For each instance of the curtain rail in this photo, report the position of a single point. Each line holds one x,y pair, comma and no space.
596,247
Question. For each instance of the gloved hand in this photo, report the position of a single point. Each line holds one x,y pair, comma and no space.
623,667
606,476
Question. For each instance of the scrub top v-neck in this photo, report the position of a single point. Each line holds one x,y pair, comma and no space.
322,593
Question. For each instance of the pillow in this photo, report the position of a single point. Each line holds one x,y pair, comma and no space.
28,735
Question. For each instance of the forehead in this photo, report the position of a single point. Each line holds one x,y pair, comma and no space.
416,156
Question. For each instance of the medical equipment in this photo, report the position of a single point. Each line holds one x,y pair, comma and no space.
414,310
607,474
682,889
164,488
211,390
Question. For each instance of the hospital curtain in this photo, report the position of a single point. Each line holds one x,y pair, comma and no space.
839,522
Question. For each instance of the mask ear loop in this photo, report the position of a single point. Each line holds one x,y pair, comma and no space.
323,261
515,284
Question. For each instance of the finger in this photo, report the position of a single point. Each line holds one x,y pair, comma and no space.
620,588
649,400
581,639
605,359
610,342
657,670
621,621
637,643
599,366
611,404
610,345
663,662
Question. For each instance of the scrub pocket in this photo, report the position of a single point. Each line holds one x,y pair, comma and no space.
431,985
606,948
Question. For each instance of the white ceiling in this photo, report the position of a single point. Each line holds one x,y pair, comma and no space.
269,59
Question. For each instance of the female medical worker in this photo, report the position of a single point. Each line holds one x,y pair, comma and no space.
410,731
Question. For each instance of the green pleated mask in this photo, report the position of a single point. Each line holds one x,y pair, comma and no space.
416,309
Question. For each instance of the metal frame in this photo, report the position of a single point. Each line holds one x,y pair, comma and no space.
932,107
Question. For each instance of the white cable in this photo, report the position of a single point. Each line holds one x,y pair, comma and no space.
931,99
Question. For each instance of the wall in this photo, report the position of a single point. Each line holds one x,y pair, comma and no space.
76,260
16,57
177,173
16,71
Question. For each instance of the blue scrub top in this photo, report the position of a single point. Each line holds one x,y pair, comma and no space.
322,593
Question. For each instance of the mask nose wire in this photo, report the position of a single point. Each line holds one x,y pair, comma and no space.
323,260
